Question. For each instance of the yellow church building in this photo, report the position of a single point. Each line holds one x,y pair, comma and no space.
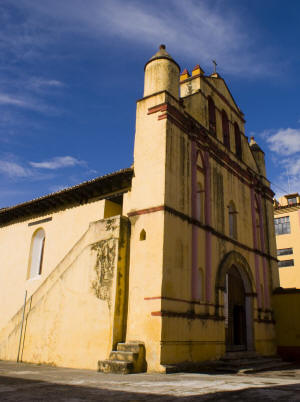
172,261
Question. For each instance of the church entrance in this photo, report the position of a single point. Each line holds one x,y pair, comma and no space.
235,290
235,311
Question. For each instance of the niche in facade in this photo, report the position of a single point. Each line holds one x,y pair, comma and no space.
143,235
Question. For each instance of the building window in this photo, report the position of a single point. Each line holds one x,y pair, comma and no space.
36,254
238,144
292,200
285,263
282,225
284,251
225,127
232,220
211,115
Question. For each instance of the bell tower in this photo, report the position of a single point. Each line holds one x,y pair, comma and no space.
161,74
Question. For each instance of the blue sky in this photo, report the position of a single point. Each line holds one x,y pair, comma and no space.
72,70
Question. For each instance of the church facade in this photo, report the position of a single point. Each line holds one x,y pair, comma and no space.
170,262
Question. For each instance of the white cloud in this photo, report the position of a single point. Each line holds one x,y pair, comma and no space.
57,163
38,83
13,169
200,31
291,165
27,102
12,100
285,141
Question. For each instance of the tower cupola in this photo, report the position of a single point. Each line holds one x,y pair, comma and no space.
161,74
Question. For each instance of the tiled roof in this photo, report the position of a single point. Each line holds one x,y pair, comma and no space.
109,184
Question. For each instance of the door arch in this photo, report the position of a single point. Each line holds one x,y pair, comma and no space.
235,289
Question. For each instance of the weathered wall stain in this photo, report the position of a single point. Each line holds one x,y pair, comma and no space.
104,268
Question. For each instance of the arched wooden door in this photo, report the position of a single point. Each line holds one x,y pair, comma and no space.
236,338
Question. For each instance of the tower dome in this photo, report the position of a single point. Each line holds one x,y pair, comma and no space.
161,74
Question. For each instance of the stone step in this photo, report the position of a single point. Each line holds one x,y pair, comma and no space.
250,362
123,356
115,366
250,366
239,355
134,347
275,365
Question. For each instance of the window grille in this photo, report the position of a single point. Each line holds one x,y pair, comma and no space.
284,251
282,225
285,263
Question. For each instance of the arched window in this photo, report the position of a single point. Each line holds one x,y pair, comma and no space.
36,253
232,215
225,127
199,203
211,115
238,144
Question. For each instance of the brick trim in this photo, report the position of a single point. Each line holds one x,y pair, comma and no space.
146,211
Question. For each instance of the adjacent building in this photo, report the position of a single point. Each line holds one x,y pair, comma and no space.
287,230
170,261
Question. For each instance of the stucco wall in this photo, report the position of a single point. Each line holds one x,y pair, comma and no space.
61,234
76,316
290,276
286,304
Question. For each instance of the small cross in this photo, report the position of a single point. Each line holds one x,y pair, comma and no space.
215,64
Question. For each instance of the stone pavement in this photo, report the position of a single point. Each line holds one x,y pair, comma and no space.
30,382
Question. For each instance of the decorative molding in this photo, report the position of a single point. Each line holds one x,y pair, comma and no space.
217,92
193,221
196,131
146,211
187,315
178,300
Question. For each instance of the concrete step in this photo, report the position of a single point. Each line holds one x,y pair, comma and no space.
115,366
123,356
134,347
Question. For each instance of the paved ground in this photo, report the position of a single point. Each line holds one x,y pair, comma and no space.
29,382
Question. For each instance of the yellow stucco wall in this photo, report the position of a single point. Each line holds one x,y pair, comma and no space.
146,256
160,266
61,233
73,319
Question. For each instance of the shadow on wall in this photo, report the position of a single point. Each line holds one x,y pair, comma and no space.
13,389
286,305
